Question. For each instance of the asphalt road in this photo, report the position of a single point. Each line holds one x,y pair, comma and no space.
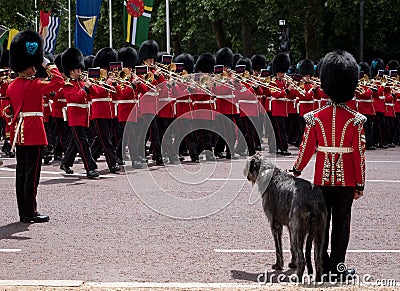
180,223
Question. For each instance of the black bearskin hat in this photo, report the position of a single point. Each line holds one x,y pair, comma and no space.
236,57
292,70
40,70
1,52
88,60
306,67
57,62
280,63
392,65
187,60
104,57
224,57
339,76
26,50
128,56
365,68
247,63
205,63
376,65
258,62
148,50
71,59
160,56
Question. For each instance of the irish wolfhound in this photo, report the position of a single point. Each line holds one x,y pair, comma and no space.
293,202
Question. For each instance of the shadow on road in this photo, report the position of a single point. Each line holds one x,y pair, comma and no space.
8,231
260,277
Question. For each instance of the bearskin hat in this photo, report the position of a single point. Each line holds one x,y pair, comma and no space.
392,65
247,63
339,76
376,65
26,50
104,56
148,50
292,70
205,63
40,70
187,60
88,60
71,59
4,60
306,67
236,57
128,56
280,63
258,62
57,62
364,67
1,51
224,57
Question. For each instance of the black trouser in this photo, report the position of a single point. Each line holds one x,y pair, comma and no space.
302,126
185,135
292,127
131,132
148,124
380,133
203,136
63,136
226,128
79,143
103,130
258,123
250,133
390,128
368,130
278,123
338,202
166,136
29,162
397,129
116,137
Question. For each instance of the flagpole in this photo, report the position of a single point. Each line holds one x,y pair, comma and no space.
110,20
69,23
36,17
168,27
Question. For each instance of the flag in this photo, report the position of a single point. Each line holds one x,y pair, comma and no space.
48,29
3,34
87,17
11,35
137,15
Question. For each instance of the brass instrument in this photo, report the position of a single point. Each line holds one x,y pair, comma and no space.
100,81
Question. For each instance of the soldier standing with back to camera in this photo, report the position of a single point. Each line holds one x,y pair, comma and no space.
29,136
337,133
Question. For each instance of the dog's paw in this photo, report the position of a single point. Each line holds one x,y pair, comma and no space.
277,267
292,265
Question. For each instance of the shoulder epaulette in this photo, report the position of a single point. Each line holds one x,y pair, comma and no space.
309,118
68,82
359,119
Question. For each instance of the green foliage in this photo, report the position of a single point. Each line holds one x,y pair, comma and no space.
250,26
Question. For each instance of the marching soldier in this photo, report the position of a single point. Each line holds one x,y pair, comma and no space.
337,133
380,132
77,94
29,136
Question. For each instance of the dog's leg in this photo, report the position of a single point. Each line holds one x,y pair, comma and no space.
298,243
319,238
293,262
309,241
276,229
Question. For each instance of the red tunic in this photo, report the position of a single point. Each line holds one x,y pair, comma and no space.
225,99
338,132
389,105
280,98
165,101
307,100
26,97
397,102
365,102
127,101
59,102
77,103
203,104
379,100
183,103
102,103
248,103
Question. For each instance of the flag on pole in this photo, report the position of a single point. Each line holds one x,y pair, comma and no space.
48,29
11,35
3,34
87,17
137,15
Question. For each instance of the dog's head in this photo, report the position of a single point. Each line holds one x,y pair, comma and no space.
255,165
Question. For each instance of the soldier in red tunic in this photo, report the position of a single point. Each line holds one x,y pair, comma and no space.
77,93
29,136
337,133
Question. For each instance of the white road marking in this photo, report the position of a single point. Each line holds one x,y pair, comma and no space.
288,251
10,250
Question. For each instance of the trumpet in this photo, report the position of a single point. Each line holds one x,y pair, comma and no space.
100,81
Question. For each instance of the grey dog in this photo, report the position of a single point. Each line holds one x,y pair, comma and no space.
293,202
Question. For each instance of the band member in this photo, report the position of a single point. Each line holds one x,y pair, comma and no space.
103,110
337,133
281,91
77,94
380,131
365,105
29,136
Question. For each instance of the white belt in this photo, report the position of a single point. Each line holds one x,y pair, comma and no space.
21,116
249,101
80,105
204,102
46,105
335,150
365,101
127,101
260,96
281,99
382,97
224,96
29,114
62,100
102,100
389,104
306,102
183,101
168,99
151,93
